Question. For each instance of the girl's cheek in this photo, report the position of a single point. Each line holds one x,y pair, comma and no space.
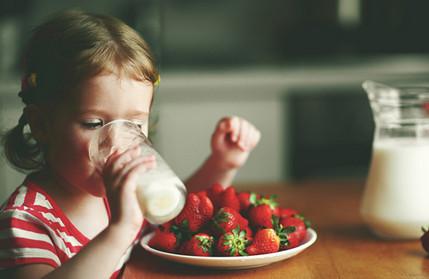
84,142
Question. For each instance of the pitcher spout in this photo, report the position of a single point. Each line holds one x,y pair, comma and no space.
378,90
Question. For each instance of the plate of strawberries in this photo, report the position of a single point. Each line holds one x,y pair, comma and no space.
223,228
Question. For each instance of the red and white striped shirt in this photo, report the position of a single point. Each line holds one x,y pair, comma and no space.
33,229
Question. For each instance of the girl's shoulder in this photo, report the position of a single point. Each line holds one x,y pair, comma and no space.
29,203
28,197
29,207
36,230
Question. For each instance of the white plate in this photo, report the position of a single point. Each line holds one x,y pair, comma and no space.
241,262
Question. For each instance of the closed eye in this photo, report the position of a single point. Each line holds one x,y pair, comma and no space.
93,124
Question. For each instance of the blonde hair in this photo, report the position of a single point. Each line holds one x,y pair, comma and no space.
64,51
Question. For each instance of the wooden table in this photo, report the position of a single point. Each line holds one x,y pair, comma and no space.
345,248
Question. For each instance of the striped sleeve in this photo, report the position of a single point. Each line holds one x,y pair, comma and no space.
24,240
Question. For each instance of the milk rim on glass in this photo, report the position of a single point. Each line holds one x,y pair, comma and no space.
395,201
160,193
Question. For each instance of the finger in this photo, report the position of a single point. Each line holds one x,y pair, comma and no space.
122,157
243,133
109,161
129,182
121,160
248,136
226,129
254,138
147,161
234,128
224,125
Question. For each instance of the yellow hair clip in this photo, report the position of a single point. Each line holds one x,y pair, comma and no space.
32,80
29,81
157,81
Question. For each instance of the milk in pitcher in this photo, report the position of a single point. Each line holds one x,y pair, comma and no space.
396,198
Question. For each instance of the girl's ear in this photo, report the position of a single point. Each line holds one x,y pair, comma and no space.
36,120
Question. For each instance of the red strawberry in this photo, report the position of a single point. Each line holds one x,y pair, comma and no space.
214,193
227,219
166,226
247,199
276,211
290,236
265,241
287,212
206,206
202,193
164,241
197,211
293,239
200,244
233,243
242,221
260,216
300,228
424,239
228,198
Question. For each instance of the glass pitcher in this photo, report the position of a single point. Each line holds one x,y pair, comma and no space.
395,202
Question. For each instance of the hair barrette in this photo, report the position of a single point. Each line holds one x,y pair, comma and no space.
29,81
157,81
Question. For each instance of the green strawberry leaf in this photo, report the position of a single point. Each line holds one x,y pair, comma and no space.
235,241
253,198
271,201
205,243
243,253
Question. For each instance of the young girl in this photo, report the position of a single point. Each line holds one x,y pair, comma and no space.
67,220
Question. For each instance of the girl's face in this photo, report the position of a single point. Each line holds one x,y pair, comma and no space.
99,100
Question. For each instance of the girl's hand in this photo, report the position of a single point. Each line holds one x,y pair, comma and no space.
232,141
120,178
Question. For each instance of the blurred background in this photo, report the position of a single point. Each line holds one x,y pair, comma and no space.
294,68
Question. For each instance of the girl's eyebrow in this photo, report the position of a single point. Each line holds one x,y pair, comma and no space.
138,113
91,111
104,112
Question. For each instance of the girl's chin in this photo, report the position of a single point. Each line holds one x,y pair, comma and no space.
100,193
96,187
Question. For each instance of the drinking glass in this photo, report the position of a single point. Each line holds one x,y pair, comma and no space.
160,193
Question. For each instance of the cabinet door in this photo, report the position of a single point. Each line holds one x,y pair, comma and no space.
331,132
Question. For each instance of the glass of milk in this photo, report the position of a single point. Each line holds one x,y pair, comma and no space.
395,203
160,193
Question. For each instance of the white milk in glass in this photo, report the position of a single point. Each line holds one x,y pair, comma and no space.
396,198
158,200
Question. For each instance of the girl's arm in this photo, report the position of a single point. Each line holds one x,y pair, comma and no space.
100,258
231,143
96,260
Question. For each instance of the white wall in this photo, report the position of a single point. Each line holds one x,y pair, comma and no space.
10,110
185,129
